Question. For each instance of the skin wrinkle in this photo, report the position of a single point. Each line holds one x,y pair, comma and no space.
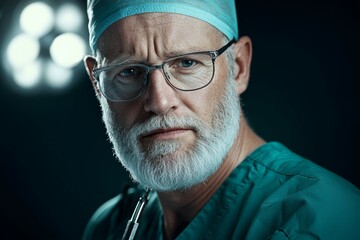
163,51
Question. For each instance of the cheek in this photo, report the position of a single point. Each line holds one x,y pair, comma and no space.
213,94
204,102
125,115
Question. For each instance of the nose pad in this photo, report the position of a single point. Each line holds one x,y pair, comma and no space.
167,75
158,67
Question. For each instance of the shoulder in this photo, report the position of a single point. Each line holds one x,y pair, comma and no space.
292,175
276,159
306,200
109,215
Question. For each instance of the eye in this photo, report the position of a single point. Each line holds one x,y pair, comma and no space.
186,63
128,72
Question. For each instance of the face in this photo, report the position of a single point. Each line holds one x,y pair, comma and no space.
168,139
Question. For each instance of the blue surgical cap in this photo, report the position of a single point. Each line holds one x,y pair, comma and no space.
220,14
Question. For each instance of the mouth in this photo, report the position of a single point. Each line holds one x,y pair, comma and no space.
166,133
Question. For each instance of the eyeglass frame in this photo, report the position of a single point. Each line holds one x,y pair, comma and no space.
213,54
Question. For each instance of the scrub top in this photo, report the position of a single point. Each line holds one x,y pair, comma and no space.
272,194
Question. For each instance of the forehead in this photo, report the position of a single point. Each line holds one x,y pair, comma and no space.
158,33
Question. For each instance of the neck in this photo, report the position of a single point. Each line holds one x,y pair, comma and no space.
180,207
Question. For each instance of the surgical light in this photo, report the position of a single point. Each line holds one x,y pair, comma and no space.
69,18
37,19
44,45
67,50
56,76
22,50
29,75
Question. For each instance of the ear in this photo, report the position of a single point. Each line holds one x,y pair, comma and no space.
243,55
90,63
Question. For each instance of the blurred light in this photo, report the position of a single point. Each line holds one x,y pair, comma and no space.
37,19
22,50
42,54
56,76
67,50
69,18
28,76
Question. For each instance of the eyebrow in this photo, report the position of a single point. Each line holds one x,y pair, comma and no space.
122,60
133,60
176,53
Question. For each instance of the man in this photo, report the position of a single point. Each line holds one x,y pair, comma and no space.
168,75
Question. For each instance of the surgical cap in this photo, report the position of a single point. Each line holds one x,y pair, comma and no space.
102,13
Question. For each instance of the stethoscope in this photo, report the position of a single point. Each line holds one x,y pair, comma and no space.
133,223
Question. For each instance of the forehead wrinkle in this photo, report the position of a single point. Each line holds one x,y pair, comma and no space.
120,60
105,62
126,38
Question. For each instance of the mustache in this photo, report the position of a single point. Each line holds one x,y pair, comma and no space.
166,121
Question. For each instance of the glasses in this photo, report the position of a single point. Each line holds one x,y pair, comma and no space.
188,72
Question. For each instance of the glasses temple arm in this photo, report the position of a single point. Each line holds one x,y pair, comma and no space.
217,53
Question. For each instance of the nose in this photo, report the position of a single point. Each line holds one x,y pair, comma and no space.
160,97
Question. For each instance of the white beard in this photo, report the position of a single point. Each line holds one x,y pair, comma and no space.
166,165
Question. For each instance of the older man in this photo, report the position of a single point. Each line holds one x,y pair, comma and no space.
168,75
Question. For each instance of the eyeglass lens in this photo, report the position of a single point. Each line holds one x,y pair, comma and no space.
127,82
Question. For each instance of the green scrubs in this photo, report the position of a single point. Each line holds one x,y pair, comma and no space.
272,194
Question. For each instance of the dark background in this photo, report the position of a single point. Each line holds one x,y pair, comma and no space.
56,165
